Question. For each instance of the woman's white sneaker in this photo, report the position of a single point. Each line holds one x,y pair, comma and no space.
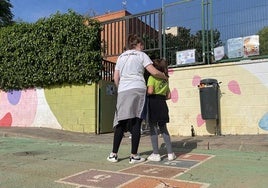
154,157
135,159
112,158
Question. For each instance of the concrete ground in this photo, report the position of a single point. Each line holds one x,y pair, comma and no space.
42,157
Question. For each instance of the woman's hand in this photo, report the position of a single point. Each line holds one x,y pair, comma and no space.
156,73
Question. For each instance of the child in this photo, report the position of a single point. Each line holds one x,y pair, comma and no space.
158,92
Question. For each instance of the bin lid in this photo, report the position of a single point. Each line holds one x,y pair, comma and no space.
209,81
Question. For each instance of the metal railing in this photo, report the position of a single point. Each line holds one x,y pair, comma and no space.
107,71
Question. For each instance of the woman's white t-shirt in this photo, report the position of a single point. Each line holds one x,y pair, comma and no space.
131,65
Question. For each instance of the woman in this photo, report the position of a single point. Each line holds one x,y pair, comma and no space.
131,87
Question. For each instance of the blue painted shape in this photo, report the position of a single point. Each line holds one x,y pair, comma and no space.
263,123
14,97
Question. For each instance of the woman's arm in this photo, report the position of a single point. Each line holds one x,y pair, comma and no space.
156,73
116,77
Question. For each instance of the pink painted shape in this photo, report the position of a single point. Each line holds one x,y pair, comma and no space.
23,113
196,81
199,120
234,87
6,121
170,71
174,95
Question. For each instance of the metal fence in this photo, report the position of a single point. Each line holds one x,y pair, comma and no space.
214,31
196,32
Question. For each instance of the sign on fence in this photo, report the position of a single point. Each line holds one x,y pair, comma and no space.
185,57
251,45
243,46
219,53
235,47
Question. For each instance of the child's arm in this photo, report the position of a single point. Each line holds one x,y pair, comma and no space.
150,85
150,90
168,95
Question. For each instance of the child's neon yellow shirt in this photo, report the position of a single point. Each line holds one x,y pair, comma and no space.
160,85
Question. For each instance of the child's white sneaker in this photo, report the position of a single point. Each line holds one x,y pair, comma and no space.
171,156
154,157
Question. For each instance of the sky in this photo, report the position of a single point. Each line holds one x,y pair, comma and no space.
32,10
231,18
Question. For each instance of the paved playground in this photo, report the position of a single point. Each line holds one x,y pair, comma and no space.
40,157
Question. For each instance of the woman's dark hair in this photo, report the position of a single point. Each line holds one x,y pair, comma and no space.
133,40
161,65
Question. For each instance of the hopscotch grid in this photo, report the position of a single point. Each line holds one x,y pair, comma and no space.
137,176
62,180
197,164
132,180
167,179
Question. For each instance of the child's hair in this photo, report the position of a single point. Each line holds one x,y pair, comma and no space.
161,65
133,40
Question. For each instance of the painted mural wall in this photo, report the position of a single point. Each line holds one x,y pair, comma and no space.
243,98
243,102
69,108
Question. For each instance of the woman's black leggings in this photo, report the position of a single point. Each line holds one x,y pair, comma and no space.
134,127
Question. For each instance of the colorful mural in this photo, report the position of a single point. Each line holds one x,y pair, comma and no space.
240,97
243,102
